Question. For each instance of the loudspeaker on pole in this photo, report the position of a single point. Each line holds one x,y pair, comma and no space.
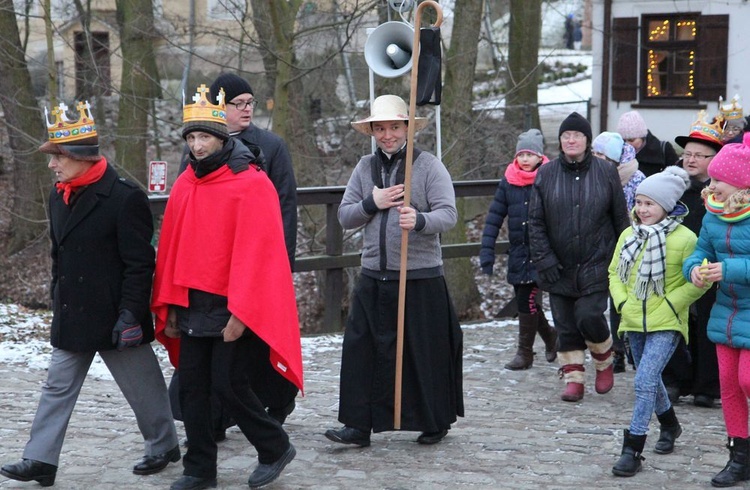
388,49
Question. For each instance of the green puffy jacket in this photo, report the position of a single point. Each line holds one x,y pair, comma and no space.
656,313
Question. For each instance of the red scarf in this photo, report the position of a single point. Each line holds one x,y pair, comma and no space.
89,177
514,175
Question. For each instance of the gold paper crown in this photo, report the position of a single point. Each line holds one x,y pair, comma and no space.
702,129
732,110
203,110
63,130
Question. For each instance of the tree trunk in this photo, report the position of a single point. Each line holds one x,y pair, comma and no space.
25,133
523,66
460,64
140,84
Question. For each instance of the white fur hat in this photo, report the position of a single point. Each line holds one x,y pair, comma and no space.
387,108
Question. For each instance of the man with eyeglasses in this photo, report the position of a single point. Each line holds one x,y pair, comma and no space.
577,211
693,368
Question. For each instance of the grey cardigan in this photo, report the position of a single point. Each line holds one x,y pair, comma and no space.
432,196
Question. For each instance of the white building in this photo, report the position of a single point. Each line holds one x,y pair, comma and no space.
668,60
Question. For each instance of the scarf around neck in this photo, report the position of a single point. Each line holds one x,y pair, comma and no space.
626,171
93,174
735,208
652,239
516,176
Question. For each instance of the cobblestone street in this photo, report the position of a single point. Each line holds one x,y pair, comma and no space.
517,433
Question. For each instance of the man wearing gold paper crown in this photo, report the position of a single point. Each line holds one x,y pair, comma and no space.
693,368
102,264
222,277
734,121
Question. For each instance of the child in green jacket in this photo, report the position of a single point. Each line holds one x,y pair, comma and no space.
653,297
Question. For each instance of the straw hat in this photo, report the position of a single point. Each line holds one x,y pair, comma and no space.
387,108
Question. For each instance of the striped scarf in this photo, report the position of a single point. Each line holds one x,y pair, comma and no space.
652,239
735,208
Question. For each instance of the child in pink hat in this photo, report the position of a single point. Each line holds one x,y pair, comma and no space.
724,242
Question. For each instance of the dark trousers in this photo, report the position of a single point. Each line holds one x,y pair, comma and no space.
579,319
208,364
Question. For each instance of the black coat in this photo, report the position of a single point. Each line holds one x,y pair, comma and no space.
102,262
511,201
694,202
576,214
655,155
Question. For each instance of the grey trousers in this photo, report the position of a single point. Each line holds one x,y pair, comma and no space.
138,374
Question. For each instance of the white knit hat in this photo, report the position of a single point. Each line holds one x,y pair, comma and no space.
665,187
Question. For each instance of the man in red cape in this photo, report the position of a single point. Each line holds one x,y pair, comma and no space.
223,280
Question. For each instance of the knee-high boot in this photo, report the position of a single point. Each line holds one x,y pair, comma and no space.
630,458
524,357
738,466
548,335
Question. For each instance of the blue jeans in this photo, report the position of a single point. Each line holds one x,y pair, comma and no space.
651,352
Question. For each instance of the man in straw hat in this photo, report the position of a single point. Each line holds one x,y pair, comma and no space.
432,383
102,264
222,280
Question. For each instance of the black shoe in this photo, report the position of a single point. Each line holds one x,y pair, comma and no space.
29,469
703,401
280,414
349,435
154,464
266,473
432,437
193,483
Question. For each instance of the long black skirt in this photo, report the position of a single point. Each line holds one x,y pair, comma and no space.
432,383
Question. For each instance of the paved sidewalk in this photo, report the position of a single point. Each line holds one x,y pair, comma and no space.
517,434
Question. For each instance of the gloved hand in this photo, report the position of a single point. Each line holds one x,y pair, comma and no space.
127,331
550,275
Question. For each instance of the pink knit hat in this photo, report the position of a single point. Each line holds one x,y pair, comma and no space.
631,125
732,164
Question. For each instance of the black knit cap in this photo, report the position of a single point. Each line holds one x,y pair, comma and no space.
576,122
232,84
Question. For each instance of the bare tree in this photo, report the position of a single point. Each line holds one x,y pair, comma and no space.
460,65
523,67
25,131
140,84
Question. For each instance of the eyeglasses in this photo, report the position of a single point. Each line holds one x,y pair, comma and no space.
572,136
244,104
687,156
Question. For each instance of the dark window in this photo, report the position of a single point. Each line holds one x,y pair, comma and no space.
682,57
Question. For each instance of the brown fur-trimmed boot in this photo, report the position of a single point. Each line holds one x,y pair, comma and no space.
603,359
572,372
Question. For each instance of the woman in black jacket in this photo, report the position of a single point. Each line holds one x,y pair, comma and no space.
653,155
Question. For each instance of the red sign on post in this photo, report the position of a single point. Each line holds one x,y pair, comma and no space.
157,176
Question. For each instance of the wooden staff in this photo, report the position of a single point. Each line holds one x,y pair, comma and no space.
407,197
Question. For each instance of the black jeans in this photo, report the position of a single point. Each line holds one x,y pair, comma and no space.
579,319
209,364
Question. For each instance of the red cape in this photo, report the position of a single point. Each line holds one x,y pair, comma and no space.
223,234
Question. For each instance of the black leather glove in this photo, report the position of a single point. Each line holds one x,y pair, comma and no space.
127,331
550,275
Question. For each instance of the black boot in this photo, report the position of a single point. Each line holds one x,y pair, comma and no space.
630,459
619,361
738,467
669,431
548,335
524,357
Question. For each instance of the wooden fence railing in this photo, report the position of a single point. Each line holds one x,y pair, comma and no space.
334,260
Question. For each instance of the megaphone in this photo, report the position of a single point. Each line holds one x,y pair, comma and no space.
388,49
